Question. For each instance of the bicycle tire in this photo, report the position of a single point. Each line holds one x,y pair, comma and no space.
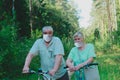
42,77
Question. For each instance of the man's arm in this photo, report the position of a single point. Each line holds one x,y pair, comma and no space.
58,59
27,63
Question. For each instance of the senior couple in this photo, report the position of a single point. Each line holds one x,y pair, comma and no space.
51,51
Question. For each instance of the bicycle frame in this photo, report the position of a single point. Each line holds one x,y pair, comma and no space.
79,74
41,74
86,67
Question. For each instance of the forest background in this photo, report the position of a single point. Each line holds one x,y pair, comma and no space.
21,22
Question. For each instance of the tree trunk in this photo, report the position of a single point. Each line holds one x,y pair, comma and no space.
115,20
31,21
110,26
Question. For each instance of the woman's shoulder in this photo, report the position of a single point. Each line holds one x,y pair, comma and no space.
74,48
90,45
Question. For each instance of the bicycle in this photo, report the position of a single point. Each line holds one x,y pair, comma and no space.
42,75
79,74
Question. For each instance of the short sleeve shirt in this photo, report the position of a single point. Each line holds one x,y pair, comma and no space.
79,56
47,54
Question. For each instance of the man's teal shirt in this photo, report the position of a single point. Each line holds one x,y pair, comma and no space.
47,54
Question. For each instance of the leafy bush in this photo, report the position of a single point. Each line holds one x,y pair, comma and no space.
68,44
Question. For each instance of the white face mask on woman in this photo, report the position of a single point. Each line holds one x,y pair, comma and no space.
47,37
78,44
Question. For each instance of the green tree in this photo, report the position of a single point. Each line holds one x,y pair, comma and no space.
55,13
22,17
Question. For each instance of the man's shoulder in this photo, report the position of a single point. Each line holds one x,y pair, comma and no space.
56,38
39,40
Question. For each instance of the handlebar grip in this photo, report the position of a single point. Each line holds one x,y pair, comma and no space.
40,70
65,67
92,64
31,71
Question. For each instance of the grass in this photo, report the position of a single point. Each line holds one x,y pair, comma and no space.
109,66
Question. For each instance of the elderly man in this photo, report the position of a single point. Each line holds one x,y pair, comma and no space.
51,51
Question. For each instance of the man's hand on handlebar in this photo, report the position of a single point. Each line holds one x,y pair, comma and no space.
25,69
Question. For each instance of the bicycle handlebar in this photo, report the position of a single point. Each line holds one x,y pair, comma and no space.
91,64
38,72
41,73
88,65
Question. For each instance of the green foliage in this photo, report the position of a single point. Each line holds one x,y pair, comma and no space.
5,6
117,32
116,37
37,34
58,14
6,38
68,45
109,64
62,17
54,15
13,51
13,57
22,17
96,34
10,57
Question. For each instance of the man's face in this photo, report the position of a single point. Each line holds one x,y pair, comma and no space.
48,32
47,35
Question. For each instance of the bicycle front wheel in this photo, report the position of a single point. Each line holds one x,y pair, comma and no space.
42,77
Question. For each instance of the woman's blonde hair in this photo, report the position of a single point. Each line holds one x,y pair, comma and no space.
78,34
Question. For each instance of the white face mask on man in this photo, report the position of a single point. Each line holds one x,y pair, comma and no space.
47,37
78,44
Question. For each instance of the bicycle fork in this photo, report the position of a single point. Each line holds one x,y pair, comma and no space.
80,75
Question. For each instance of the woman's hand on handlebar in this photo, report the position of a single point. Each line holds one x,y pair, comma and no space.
78,67
75,68
71,68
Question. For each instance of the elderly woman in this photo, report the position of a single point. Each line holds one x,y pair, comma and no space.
80,55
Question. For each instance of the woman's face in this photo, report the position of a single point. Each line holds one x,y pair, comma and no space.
78,39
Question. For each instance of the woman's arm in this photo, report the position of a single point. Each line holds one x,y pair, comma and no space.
70,64
90,60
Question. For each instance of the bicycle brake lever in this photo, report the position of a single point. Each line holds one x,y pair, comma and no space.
40,70
31,71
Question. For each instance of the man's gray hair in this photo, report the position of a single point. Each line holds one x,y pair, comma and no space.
47,28
78,34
